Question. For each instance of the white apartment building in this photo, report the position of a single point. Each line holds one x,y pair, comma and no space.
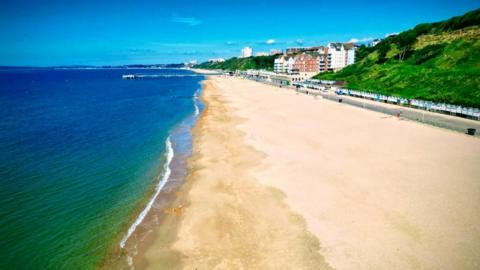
340,55
246,52
284,64
351,56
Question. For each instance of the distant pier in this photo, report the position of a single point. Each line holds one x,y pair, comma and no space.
128,77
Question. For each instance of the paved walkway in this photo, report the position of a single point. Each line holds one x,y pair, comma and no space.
431,118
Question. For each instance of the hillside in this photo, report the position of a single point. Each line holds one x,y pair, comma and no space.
254,62
433,61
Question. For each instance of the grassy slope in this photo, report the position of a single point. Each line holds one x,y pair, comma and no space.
441,63
254,62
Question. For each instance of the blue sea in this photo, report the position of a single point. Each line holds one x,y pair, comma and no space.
81,151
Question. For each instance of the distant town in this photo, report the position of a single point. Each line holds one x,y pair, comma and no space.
297,64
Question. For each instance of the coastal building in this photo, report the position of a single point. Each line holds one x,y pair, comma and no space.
288,79
284,64
216,60
310,61
296,68
374,42
274,78
260,75
302,63
340,55
297,50
322,59
246,52
262,54
275,51
307,64
350,48
294,50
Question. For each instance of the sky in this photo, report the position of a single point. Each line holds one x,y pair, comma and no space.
49,33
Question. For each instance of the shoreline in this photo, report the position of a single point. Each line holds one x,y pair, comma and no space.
155,206
263,193
303,247
167,227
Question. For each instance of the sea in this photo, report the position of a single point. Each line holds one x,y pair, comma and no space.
84,155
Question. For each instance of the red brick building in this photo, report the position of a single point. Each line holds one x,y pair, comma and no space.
306,63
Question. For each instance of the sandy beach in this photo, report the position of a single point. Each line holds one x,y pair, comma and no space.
285,181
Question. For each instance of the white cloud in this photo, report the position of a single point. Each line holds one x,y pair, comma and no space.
270,41
299,41
229,43
357,40
191,21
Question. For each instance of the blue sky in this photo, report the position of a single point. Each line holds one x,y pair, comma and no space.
45,33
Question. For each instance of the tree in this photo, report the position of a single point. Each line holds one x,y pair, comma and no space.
405,42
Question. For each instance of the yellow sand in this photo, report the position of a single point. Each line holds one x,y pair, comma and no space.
286,181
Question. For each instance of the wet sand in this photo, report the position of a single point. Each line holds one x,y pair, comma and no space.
285,181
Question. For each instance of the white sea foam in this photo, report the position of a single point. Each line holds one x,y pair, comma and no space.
197,111
160,185
195,102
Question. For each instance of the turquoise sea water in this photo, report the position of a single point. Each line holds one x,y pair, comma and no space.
79,150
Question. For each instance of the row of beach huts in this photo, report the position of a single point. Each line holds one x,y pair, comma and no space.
457,110
325,85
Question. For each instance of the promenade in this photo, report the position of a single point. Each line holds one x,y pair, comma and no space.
426,117
440,120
